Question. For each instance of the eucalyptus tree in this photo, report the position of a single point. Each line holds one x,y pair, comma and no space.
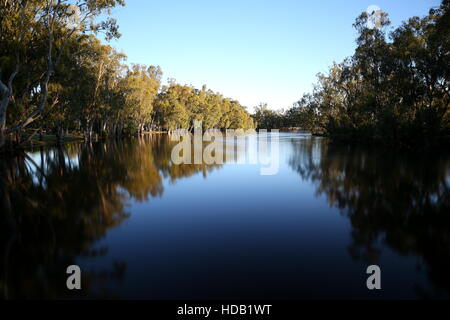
140,87
394,88
179,107
268,119
170,108
18,29
45,26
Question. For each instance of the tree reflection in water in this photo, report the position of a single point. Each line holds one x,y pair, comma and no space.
56,203
399,200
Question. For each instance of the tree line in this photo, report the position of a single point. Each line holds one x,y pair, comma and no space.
56,76
395,88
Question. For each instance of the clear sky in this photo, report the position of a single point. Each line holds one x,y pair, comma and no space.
250,50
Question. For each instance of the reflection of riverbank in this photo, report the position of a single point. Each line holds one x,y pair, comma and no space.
51,140
401,200
295,130
56,203
123,211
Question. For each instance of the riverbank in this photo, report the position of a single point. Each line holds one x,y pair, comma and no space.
49,140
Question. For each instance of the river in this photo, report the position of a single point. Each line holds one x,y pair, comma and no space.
141,227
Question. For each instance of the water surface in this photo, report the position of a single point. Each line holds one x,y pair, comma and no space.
141,227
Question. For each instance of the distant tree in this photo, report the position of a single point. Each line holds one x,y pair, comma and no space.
394,88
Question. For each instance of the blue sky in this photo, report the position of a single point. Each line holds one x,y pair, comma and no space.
252,51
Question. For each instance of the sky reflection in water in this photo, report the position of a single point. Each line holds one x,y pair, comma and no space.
141,227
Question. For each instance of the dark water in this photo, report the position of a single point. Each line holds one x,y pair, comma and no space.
141,227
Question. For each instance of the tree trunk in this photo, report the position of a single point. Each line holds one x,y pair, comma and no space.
102,127
43,86
89,131
5,97
3,106
60,134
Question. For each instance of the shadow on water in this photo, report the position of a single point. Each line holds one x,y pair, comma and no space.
56,203
392,199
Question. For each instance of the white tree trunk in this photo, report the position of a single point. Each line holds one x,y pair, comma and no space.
5,97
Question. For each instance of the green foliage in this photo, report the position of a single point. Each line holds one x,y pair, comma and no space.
67,80
140,87
394,89
268,119
179,107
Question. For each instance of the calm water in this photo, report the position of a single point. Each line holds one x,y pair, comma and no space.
141,227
